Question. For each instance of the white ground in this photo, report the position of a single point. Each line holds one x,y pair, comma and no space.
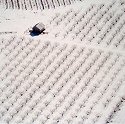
101,87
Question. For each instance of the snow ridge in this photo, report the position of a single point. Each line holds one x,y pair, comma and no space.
50,82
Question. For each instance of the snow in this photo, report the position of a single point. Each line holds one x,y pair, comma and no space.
72,74
35,4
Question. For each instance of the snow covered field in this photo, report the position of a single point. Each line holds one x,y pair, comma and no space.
35,4
72,74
